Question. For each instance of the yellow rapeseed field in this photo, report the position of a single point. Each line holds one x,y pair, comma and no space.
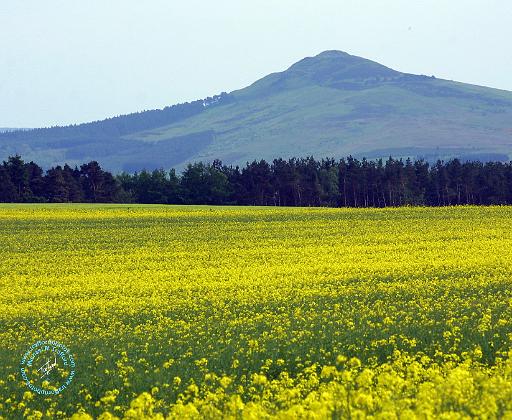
205,312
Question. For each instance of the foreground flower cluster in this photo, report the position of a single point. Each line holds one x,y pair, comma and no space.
198,312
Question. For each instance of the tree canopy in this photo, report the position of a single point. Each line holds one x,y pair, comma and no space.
347,182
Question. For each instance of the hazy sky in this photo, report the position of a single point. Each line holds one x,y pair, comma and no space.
68,61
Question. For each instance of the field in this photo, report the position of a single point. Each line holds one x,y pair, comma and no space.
259,312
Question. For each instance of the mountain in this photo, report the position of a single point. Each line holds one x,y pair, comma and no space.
330,105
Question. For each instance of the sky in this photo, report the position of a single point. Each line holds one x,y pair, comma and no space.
71,61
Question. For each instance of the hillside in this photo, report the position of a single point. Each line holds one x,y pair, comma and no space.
333,104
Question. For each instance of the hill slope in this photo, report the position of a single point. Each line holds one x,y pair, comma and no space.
333,104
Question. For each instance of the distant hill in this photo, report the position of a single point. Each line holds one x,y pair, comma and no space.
8,129
330,105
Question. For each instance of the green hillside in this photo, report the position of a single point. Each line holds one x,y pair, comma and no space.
332,105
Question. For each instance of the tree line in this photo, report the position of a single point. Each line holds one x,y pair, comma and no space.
347,182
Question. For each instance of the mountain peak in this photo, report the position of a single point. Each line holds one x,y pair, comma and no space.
332,54
331,68
334,66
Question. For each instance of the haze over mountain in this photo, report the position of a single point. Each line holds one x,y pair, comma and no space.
330,105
